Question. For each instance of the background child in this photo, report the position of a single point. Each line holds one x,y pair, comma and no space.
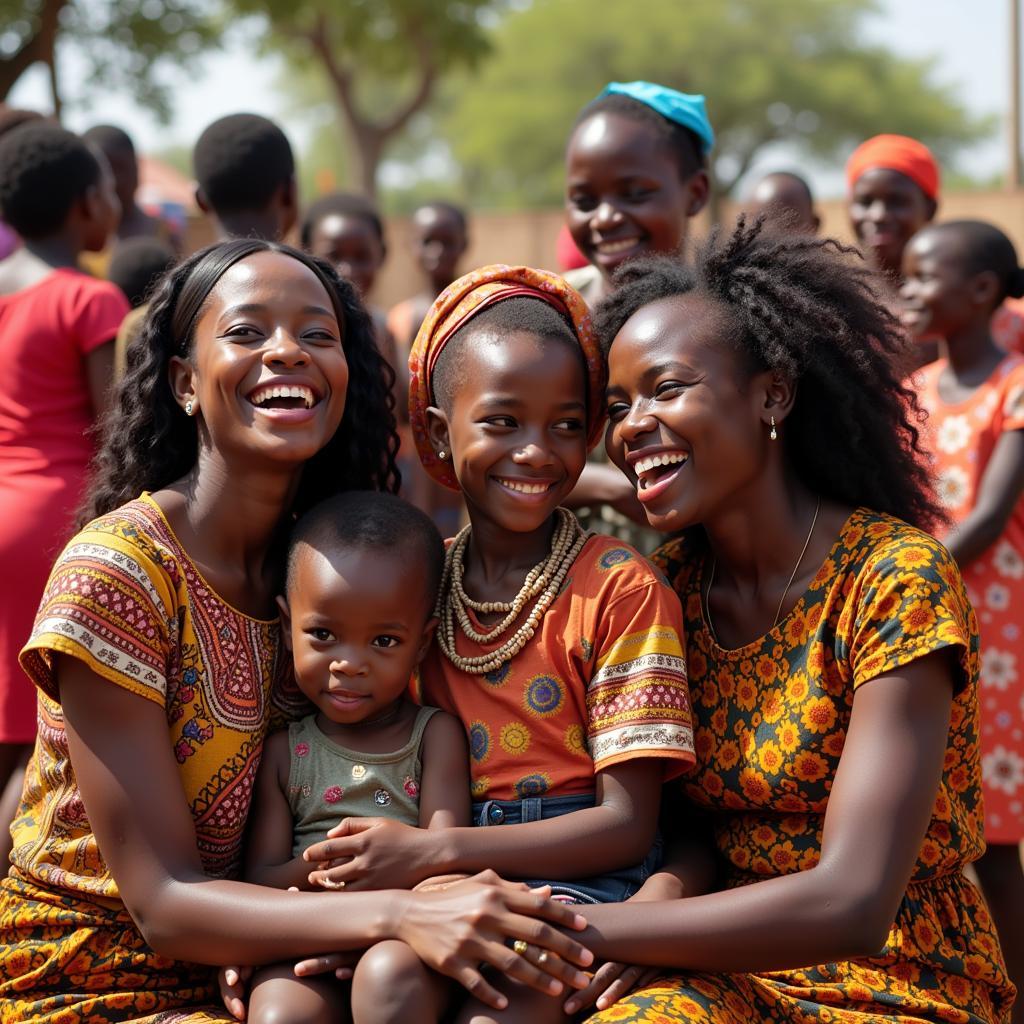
56,329
363,573
636,172
956,275
347,231
440,237
559,651
245,178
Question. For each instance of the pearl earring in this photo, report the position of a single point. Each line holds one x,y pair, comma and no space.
774,435
442,455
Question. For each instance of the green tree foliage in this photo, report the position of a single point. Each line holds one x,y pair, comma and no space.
773,70
382,59
124,42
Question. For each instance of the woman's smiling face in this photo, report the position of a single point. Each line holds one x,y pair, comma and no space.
267,373
686,419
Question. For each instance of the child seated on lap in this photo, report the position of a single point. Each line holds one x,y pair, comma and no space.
358,615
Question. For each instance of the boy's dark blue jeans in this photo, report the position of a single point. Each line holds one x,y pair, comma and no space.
613,887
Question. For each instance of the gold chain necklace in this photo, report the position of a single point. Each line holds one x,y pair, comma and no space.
792,576
543,583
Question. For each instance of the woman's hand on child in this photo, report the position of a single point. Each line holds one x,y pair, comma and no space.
471,924
373,853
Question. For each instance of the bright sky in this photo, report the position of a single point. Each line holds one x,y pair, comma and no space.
969,40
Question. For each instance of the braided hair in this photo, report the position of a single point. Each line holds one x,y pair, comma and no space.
147,440
801,308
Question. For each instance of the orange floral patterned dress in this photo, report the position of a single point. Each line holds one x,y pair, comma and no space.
961,438
771,721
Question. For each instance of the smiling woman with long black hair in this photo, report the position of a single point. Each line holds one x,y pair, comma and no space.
253,390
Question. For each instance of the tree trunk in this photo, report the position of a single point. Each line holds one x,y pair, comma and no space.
39,47
369,151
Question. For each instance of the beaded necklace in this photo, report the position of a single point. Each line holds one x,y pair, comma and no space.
543,582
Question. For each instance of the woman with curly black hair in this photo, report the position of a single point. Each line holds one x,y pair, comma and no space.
831,648
253,391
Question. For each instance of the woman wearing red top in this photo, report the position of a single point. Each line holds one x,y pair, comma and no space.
56,329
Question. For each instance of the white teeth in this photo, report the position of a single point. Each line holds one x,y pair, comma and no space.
653,461
264,394
610,248
516,485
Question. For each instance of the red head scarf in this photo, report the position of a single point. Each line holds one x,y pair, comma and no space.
456,306
896,153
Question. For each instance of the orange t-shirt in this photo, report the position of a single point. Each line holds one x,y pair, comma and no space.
602,681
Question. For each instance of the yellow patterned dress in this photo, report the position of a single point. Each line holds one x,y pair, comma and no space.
126,599
771,720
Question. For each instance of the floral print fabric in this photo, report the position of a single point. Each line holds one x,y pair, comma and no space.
771,720
961,439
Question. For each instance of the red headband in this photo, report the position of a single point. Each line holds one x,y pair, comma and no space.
896,153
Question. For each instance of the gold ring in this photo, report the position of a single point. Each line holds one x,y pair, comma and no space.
328,884
542,957
520,946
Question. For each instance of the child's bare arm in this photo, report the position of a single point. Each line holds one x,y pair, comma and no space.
268,858
444,786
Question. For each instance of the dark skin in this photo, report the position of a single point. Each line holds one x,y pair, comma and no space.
134,222
357,251
356,633
268,318
517,416
86,228
886,210
626,195
438,242
941,297
786,202
356,637
272,222
676,385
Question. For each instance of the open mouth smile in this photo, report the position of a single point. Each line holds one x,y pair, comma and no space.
283,396
655,472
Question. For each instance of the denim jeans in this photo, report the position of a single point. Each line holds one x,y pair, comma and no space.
613,887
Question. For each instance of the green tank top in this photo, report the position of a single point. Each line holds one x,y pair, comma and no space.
328,782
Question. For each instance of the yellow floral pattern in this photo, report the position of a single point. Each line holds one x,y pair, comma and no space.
771,721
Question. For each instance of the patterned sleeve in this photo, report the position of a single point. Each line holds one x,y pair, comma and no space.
910,602
638,703
109,604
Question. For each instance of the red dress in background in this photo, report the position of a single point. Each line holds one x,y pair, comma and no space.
46,332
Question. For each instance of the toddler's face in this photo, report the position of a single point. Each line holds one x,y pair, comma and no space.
357,622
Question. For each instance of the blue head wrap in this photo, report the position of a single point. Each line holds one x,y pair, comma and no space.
682,108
